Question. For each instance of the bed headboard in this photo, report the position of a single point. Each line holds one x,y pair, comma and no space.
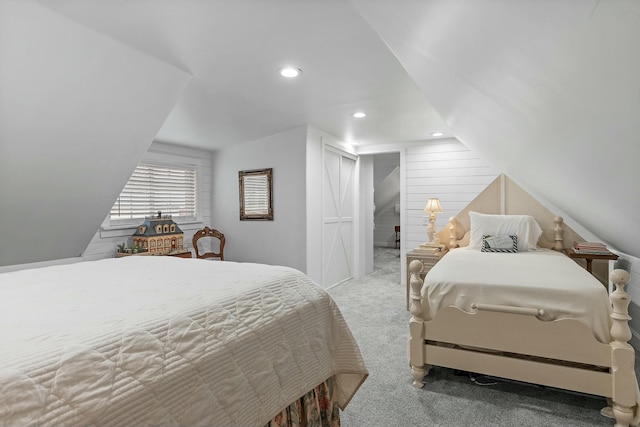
504,197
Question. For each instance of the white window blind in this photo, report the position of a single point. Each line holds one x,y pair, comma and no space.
153,188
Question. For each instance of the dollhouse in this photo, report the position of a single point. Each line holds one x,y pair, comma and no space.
159,235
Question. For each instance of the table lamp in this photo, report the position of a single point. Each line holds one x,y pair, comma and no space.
433,207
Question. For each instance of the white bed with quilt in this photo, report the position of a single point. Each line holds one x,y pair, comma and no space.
504,302
167,341
545,279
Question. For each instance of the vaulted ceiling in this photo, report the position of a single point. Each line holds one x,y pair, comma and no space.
547,91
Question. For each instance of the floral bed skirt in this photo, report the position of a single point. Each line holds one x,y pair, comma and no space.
317,408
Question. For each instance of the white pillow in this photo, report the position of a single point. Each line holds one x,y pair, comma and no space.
524,226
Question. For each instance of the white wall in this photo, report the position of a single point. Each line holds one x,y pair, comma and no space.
314,203
365,240
106,239
77,112
283,240
446,169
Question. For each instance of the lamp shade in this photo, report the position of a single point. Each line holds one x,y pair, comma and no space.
433,205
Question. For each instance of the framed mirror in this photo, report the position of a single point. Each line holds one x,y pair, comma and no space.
256,194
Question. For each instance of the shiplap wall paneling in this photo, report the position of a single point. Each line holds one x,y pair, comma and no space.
448,170
106,239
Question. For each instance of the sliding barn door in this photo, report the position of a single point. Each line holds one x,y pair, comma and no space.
338,216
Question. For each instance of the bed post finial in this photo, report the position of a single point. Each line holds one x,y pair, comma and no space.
415,267
620,300
453,237
558,243
622,354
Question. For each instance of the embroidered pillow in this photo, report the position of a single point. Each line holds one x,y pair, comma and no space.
499,244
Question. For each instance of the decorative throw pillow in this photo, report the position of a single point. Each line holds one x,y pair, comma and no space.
499,244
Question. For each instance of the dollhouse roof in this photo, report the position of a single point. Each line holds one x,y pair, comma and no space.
148,227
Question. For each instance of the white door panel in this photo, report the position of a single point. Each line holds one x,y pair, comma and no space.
331,185
346,186
338,210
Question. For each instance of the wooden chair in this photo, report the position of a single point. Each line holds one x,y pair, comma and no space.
212,235
397,236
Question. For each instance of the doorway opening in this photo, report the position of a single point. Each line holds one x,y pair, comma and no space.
387,236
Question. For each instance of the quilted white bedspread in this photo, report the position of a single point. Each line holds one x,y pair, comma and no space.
541,279
166,341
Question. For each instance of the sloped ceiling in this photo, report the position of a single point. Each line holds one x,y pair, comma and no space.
549,92
77,111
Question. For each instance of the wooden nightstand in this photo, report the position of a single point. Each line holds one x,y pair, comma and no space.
590,257
428,261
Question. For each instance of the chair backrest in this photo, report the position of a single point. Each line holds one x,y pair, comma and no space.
203,251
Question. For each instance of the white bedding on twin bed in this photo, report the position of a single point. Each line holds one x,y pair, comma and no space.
541,279
166,341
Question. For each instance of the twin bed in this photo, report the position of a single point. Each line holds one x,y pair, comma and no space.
522,310
168,341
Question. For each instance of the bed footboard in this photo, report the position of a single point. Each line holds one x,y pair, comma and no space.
614,376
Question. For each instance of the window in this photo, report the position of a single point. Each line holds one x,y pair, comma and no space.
154,188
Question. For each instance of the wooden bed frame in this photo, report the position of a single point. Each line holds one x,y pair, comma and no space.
561,353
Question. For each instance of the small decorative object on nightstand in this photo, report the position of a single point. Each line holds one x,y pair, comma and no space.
429,258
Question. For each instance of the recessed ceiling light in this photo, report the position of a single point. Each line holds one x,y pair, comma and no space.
437,134
290,72
359,115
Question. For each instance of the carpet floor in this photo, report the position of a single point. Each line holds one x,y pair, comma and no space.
374,307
